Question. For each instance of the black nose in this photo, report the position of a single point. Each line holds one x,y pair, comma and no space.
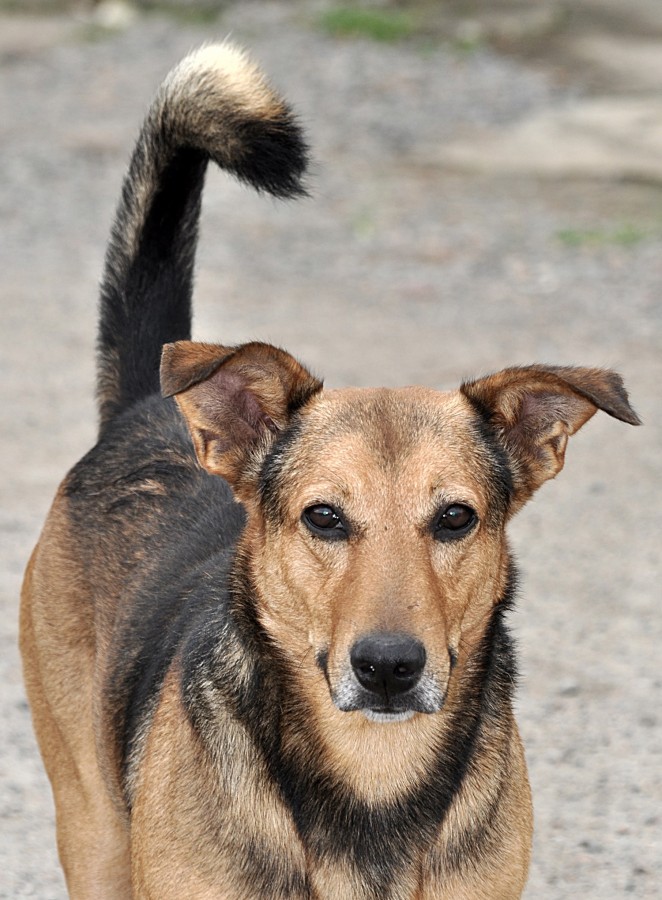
387,663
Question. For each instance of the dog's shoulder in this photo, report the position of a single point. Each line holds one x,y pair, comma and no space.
156,535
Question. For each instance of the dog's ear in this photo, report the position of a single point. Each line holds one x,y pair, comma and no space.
235,400
535,409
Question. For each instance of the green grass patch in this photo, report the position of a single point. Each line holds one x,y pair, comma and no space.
624,236
94,33
387,26
465,46
42,7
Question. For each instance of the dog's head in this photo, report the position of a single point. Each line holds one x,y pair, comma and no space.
376,517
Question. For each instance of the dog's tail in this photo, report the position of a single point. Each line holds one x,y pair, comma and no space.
214,105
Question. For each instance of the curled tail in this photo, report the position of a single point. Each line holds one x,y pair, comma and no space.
214,105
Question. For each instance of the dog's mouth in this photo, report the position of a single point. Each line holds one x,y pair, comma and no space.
427,698
384,716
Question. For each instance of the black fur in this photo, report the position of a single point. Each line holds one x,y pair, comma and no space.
146,301
172,529
269,486
500,480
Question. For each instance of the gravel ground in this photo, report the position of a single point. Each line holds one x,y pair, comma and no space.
397,271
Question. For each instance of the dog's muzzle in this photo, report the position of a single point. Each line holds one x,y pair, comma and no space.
386,679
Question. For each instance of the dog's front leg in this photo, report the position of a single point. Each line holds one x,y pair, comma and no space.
58,665
175,840
207,821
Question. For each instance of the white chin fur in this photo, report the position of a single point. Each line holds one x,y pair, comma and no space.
373,716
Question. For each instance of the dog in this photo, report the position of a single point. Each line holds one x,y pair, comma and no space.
263,630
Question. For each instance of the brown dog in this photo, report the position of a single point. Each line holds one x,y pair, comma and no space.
306,694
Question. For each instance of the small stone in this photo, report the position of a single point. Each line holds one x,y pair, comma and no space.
115,15
569,688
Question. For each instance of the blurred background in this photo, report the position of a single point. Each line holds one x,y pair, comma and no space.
486,190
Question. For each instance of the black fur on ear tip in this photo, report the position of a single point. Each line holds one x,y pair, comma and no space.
622,408
169,383
604,388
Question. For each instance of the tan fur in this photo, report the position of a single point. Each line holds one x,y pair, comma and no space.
58,650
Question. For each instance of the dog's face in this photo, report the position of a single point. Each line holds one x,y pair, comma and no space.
376,517
382,519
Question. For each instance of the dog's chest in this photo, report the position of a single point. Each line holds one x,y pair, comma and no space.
277,861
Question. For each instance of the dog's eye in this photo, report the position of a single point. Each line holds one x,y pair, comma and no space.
324,521
454,521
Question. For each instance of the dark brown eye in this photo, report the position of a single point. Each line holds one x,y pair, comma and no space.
454,521
324,521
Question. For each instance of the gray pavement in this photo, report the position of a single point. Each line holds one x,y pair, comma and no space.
406,266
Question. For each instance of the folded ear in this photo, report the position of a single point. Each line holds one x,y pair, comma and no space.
235,400
535,409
